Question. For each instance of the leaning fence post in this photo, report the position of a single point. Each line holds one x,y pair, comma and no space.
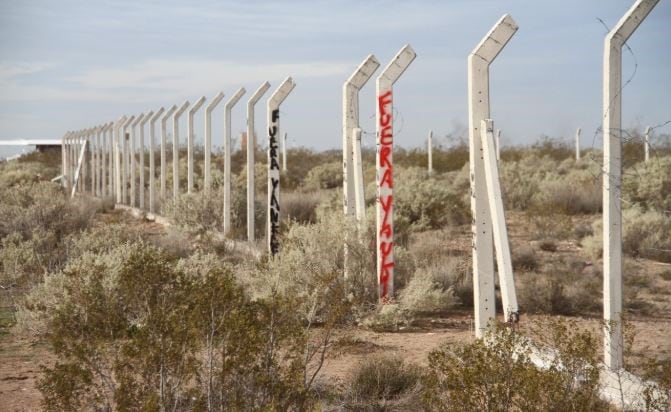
208,140
273,115
152,160
251,147
228,107
479,61
164,136
500,231
384,204
647,144
175,148
612,178
189,140
145,119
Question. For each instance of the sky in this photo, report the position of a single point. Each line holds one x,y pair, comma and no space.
72,64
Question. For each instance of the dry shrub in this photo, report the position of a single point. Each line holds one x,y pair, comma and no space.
425,293
300,206
324,176
496,373
524,259
645,234
383,383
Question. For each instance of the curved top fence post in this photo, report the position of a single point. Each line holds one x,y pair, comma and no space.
612,178
251,147
190,138
228,107
479,61
208,139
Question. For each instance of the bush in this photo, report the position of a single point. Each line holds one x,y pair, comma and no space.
133,328
383,383
645,234
496,373
425,293
324,176
300,207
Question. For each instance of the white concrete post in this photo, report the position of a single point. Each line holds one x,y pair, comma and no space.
98,159
251,147
429,151
479,61
384,203
164,137
175,148
284,152
498,144
103,160
273,116
118,153
145,119
189,140
110,160
207,180
646,146
64,160
133,158
357,167
350,121
502,247
93,148
125,160
152,158
577,143
80,162
86,172
228,107
612,178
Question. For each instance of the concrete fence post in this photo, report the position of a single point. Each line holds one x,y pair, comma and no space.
64,160
577,143
152,158
228,107
498,144
251,147
175,148
125,166
189,140
207,179
164,159
273,116
133,159
500,231
612,178
118,153
479,61
384,204
350,121
357,168
429,151
646,144
142,190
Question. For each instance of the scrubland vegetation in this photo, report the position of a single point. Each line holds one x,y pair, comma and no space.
142,317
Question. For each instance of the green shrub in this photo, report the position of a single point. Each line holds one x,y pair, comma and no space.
424,293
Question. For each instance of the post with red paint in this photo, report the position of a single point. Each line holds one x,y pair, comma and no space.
385,170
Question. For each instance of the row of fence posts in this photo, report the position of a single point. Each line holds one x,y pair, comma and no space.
488,228
108,160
